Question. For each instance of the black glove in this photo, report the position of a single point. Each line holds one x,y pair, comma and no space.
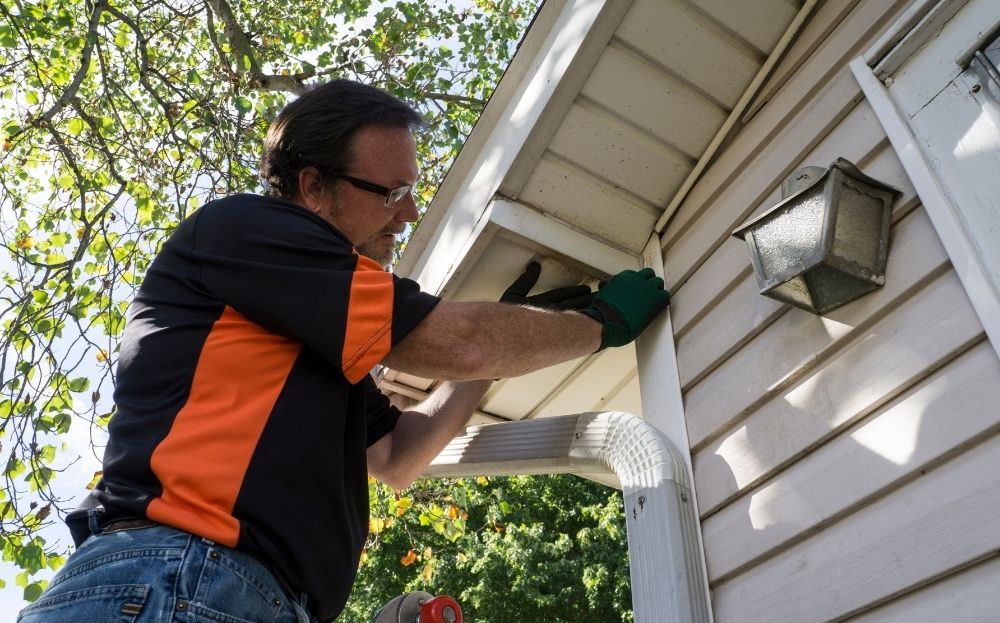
567,298
627,304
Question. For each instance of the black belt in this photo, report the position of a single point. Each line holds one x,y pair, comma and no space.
129,524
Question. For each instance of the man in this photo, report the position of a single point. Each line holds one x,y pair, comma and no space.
234,483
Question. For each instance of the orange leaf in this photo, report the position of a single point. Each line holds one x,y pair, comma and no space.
409,559
453,512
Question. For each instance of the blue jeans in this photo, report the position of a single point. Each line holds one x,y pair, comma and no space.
160,575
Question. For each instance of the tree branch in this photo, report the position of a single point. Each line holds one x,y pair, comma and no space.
210,22
88,49
459,99
290,84
238,39
243,47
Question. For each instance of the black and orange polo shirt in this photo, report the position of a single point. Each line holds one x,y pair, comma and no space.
244,401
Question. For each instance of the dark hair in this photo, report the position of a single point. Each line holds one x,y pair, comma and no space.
317,130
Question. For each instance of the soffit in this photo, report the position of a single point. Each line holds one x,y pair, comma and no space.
633,108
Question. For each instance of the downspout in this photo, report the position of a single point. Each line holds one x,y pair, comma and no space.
622,450
737,112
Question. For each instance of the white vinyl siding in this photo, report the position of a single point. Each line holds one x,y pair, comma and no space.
844,464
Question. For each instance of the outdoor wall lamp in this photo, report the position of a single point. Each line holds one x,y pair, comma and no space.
827,242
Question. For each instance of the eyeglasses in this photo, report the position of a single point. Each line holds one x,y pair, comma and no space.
392,195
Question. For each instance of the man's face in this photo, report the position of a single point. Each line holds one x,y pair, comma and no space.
388,157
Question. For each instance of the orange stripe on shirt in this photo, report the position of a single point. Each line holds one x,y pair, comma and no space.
202,461
368,336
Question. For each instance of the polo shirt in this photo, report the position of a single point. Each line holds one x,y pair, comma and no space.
244,400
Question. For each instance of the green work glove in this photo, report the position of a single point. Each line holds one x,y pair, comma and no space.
627,304
567,298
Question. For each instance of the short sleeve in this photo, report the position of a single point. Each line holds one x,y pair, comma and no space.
410,308
383,309
294,274
381,416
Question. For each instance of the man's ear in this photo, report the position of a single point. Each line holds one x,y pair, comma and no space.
311,189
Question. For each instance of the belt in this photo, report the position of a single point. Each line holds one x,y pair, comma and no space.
129,524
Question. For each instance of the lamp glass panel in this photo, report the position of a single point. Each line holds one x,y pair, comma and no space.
830,288
859,228
795,291
792,236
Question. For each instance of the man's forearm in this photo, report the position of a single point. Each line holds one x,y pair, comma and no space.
423,430
460,341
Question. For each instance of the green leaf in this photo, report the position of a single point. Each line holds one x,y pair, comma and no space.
33,591
39,477
79,384
243,104
31,97
75,126
61,423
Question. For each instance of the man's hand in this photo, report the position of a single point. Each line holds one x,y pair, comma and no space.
627,304
567,298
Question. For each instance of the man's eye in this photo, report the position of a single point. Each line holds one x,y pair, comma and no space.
399,193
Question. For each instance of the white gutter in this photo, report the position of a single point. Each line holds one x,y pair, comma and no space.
625,451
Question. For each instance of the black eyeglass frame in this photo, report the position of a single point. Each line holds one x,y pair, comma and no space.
392,195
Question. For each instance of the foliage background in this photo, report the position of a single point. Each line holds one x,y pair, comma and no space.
512,550
120,117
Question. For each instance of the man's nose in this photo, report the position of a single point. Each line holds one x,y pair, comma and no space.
407,211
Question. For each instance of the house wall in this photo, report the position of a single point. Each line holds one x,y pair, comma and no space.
847,466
